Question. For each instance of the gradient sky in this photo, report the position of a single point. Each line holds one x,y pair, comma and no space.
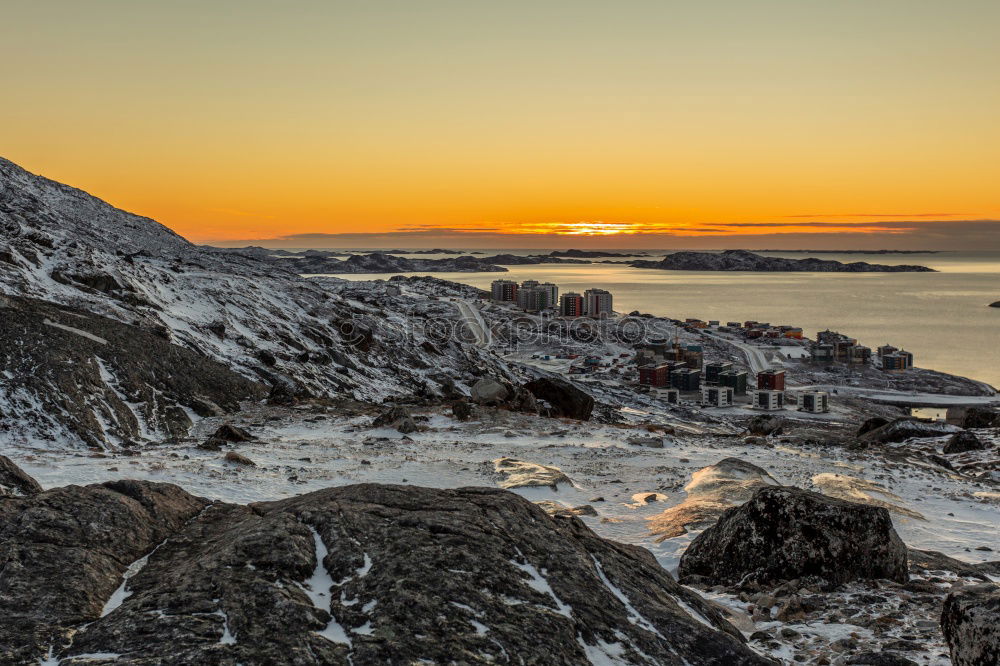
474,123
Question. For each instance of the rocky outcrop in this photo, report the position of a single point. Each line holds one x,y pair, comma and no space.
711,491
489,391
995,305
971,625
522,474
396,417
763,425
981,417
901,430
64,552
101,382
784,533
562,398
963,441
873,423
366,574
14,482
742,260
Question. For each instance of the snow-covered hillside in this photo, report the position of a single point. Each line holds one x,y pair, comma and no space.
62,245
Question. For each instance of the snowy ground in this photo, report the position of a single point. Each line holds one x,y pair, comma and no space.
310,449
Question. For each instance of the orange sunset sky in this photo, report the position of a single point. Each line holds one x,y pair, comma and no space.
519,124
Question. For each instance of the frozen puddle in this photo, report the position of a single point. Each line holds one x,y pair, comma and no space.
539,584
317,588
119,596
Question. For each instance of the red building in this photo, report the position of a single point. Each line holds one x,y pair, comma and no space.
771,380
655,375
571,305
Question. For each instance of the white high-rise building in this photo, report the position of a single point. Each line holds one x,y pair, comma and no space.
597,303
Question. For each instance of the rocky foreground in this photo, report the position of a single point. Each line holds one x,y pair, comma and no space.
743,260
133,572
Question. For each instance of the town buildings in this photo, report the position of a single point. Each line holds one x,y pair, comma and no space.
768,400
771,380
597,303
657,374
504,291
571,304
686,379
814,402
712,371
893,359
716,396
734,379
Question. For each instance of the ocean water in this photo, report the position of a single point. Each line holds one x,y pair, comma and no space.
943,317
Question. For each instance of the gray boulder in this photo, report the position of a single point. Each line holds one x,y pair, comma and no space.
981,417
873,423
784,533
396,417
763,425
971,625
564,399
488,391
367,574
901,430
963,441
14,481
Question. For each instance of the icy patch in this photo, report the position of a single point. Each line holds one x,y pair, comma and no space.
75,331
693,613
49,660
317,588
119,596
227,637
604,654
539,584
634,616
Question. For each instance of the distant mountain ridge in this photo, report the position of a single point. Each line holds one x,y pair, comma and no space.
743,260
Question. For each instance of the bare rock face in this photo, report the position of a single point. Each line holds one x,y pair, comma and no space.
971,625
873,423
766,424
14,482
564,398
365,575
784,533
522,474
901,430
396,417
102,382
981,417
488,391
963,441
65,550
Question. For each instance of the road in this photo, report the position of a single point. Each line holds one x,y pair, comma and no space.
473,319
756,359
910,398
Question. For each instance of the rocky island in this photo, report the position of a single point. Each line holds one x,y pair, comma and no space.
743,260
382,262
